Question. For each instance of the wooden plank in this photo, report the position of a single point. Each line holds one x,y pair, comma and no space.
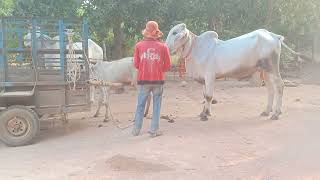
57,51
19,75
25,50
4,107
40,83
50,98
79,108
55,110
51,77
22,100
102,83
16,94
51,88
77,97
48,110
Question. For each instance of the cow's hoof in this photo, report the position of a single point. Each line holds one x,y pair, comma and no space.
214,101
274,117
204,118
106,120
96,115
264,114
208,113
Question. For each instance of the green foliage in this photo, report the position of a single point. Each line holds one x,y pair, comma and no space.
6,7
229,18
50,8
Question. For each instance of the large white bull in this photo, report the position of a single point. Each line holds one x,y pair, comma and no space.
209,58
119,71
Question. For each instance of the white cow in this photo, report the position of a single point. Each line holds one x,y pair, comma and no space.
42,38
209,58
52,61
95,52
119,71
44,42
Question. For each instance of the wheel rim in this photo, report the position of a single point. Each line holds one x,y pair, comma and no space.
17,126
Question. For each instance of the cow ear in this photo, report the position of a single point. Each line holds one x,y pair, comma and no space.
183,25
183,36
216,35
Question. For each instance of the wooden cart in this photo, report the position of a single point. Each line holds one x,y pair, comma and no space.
34,76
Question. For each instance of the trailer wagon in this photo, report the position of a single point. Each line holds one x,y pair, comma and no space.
40,73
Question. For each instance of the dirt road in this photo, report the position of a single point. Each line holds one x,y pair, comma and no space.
234,144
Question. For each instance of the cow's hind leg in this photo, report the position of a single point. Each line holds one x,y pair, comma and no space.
208,94
270,89
206,108
278,88
100,101
205,111
106,116
278,85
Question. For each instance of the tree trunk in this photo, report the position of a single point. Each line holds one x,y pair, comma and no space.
269,13
215,24
118,38
104,51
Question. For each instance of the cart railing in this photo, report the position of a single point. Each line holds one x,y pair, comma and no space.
29,67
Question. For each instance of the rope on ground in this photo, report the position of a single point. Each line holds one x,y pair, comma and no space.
116,122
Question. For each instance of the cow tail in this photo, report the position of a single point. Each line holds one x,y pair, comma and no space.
302,56
287,47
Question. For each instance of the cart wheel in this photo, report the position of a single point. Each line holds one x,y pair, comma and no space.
18,125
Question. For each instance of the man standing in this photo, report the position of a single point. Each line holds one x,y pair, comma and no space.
152,60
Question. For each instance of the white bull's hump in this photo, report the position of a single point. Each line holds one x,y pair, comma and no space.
210,34
243,51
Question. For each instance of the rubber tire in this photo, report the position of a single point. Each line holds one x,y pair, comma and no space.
22,112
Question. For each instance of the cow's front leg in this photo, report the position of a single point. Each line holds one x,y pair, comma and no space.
106,103
101,100
92,93
208,94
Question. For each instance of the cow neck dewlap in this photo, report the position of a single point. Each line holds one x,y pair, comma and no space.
187,47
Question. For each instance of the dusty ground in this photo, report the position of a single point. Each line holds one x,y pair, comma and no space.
234,144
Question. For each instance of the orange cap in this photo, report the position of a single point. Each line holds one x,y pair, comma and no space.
152,30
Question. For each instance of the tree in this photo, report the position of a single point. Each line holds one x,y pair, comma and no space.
124,18
47,8
118,23
6,7
106,15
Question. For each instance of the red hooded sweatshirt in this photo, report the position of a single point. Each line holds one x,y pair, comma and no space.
152,60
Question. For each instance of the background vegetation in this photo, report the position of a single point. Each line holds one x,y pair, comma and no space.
116,24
